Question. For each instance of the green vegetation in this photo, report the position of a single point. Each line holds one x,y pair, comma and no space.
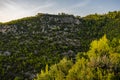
101,62
27,45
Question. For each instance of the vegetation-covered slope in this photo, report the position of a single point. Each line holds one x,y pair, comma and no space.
101,62
28,44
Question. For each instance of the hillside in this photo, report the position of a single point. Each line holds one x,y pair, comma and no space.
101,62
28,44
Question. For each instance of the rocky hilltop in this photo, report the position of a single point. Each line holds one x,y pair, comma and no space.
46,20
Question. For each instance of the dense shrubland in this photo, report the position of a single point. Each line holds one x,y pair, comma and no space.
101,62
27,45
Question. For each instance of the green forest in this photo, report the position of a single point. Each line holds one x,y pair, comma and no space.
61,47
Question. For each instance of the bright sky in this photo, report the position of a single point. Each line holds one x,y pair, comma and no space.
14,9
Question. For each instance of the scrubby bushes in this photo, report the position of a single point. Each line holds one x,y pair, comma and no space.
101,62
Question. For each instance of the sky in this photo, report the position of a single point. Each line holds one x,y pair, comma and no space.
15,9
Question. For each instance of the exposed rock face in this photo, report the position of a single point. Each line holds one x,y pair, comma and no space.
60,18
7,53
7,28
45,22
4,28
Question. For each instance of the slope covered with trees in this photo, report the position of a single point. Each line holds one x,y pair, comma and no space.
101,62
28,44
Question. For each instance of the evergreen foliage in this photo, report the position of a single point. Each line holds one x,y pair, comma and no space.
28,44
103,63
